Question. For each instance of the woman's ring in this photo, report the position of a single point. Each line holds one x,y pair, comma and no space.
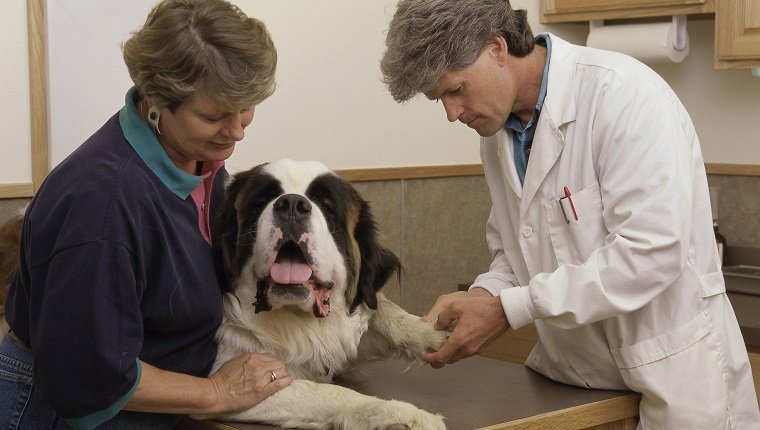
272,376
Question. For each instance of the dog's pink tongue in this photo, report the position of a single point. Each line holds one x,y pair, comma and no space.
290,272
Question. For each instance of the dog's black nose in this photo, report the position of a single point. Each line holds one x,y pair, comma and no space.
292,207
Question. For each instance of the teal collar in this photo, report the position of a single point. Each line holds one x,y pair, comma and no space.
144,142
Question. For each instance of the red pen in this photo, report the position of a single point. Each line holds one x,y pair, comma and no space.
572,206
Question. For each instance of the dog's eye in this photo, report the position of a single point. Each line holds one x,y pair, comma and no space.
324,197
325,203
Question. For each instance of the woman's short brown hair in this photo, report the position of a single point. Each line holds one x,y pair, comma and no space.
190,45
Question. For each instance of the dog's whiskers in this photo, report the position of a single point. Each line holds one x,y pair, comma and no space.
249,235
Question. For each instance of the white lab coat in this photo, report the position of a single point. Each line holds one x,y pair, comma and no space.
629,295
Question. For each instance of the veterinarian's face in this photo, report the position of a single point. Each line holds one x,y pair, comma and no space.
198,130
480,96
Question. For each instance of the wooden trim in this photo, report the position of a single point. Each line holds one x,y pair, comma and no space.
617,412
387,173
578,417
425,172
416,172
732,169
16,191
38,91
37,104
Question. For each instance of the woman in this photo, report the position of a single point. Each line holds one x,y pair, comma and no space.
116,301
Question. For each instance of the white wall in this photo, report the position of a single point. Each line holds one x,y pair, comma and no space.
330,103
87,76
15,133
724,104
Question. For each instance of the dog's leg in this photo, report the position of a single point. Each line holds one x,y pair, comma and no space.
393,332
310,405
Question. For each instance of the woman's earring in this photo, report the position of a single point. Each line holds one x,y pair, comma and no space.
154,115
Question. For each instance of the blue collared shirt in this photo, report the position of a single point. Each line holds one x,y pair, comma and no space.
523,137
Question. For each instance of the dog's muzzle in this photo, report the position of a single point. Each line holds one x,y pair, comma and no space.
291,275
292,213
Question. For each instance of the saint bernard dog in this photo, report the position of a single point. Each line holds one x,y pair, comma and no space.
300,251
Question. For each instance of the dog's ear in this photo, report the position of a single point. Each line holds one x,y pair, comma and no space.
226,232
377,263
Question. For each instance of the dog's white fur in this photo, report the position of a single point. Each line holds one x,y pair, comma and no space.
314,347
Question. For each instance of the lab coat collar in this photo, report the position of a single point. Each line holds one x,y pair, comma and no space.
560,93
559,109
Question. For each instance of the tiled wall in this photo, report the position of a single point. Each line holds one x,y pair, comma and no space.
738,209
437,227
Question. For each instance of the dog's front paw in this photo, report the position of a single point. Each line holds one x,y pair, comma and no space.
427,339
389,415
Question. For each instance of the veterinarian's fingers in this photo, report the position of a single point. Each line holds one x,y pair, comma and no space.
446,319
441,303
444,355
430,359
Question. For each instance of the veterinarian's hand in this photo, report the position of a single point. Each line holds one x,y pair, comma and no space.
443,301
248,379
477,319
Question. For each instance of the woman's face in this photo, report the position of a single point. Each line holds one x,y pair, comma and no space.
198,130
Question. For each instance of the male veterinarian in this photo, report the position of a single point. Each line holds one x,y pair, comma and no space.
600,229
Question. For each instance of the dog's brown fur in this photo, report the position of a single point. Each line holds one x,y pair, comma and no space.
10,240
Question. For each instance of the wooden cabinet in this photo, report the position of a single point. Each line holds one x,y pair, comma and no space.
737,22
737,34
553,11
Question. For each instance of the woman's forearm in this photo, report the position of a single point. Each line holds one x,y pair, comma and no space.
168,392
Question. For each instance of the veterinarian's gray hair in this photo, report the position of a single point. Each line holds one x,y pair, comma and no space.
427,38
190,45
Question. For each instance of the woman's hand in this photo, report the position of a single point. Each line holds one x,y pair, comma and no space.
248,379
238,385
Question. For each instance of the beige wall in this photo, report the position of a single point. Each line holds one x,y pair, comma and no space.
724,105
15,145
330,104
437,227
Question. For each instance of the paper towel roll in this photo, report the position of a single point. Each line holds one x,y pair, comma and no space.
650,42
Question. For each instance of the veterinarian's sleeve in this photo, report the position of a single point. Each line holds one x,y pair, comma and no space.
89,333
499,275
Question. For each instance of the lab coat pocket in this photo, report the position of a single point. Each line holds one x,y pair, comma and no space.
574,239
663,368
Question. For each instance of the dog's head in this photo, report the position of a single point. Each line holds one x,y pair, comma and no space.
299,235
